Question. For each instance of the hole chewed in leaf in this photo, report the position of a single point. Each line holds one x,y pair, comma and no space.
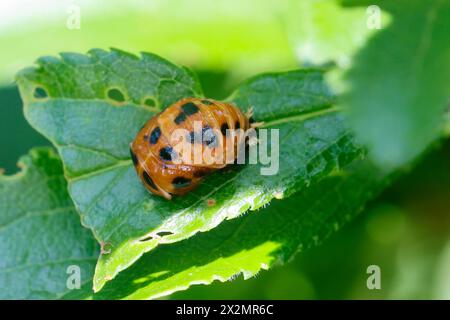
40,93
149,102
164,233
116,95
147,238
157,235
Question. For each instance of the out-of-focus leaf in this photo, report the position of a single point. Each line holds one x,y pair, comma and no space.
324,31
399,86
242,38
40,232
93,132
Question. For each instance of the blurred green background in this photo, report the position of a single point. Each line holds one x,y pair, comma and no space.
405,231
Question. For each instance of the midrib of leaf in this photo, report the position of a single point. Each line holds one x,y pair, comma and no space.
118,164
302,116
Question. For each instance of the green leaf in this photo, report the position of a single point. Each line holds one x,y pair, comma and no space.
253,242
40,232
92,133
399,85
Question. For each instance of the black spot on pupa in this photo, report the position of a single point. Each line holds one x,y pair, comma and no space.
209,137
180,118
237,125
167,154
224,128
154,136
149,180
133,157
193,137
181,182
189,108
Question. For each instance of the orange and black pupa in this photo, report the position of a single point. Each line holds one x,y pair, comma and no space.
197,125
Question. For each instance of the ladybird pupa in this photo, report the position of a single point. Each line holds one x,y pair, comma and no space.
166,150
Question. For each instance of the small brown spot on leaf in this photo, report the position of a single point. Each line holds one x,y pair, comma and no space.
105,247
